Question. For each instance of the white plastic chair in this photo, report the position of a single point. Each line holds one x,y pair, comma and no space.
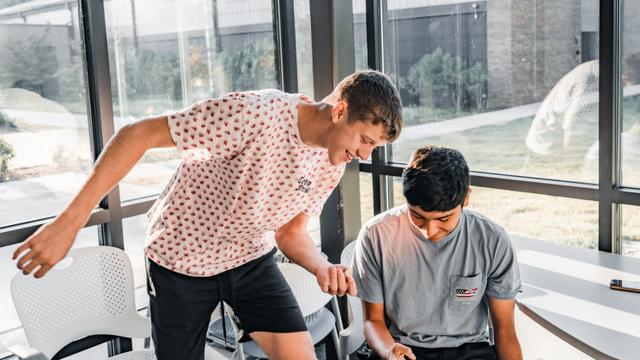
352,337
94,295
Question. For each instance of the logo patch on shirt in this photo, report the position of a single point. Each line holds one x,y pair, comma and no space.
466,293
304,185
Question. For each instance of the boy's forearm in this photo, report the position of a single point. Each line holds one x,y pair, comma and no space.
508,347
299,248
378,337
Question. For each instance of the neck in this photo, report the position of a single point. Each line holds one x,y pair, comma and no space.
314,123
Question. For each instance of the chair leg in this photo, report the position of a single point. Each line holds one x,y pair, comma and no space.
238,354
336,342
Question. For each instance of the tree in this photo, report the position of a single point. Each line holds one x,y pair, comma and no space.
6,154
475,80
27,64
249,67
148,72
436,80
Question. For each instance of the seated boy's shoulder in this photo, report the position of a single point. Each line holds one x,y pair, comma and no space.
481,222
389,219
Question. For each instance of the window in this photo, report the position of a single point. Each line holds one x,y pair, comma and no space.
44,144
366,197
512,85
558,220
303,47
166,55
134,230
630,137
360,34
631,230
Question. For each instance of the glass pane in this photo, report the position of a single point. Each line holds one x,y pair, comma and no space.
512,84
360,34
11,332
631,230
165,55
366,197
631,94
303,47
134,229
564,221
44,139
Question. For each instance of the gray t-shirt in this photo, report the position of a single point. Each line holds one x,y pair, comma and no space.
435,294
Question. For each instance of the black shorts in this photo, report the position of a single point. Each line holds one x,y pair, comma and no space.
181,305
468,351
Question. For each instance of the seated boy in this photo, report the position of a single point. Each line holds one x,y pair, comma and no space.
429,273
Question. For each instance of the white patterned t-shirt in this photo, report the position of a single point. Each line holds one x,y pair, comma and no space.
245,172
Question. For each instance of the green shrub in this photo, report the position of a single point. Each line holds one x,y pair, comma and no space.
249,67
28,64
439,81
6,154
5,121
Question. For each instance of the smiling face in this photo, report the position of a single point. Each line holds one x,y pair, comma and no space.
350,139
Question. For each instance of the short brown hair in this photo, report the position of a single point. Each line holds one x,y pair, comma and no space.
371,96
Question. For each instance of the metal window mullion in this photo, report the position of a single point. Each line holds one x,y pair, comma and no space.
16,233
333,59
374,60
550,187
100,107
609,118
374,34
101,125
616,129
627,196
285,37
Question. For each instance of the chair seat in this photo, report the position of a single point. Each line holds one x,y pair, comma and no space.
209,354
320,325
135,355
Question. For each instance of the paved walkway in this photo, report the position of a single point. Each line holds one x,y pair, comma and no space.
498,117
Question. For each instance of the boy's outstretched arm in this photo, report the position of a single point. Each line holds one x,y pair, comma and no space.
502,316
51,242
379,337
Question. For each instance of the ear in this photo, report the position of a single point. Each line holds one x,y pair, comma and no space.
466,198
339,112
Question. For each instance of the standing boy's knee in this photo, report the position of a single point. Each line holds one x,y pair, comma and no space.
286,346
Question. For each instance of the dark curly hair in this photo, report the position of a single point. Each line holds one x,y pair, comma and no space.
436,179
371,96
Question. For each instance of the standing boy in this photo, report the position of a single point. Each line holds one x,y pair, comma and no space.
254,162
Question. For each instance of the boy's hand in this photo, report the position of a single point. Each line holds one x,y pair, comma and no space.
400,352
336,280
45,248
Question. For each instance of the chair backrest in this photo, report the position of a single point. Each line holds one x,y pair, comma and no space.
94,295
305,288
347,253
352,337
